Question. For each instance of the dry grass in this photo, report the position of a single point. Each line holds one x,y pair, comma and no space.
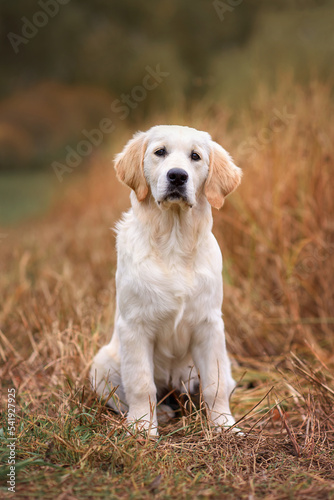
277,237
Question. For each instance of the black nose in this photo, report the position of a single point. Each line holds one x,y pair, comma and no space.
177,176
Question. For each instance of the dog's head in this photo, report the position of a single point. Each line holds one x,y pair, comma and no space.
177,164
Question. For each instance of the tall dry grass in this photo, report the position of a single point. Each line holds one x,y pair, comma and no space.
277,237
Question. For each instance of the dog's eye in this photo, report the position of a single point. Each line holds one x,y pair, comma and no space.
195,156
161,152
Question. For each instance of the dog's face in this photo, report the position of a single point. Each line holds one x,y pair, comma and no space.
177,164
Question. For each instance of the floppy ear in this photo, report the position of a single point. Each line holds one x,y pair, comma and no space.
129,165
224,177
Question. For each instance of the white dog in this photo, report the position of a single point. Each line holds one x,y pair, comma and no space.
169,277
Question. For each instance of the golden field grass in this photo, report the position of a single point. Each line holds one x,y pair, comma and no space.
276,233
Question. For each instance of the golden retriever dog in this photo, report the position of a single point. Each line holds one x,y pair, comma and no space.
169,291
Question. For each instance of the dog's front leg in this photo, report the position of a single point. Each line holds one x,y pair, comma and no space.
211,360
138,379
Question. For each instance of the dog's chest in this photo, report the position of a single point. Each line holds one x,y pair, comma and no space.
167,282
159,292
171,288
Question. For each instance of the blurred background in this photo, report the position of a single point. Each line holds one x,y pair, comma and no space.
77,79
79,76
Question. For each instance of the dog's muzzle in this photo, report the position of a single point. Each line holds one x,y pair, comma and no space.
177,180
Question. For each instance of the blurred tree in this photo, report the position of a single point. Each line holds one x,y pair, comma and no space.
109,43
51,49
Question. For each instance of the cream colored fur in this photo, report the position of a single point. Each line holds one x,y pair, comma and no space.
168,323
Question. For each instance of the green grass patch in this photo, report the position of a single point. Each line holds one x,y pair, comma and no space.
24,195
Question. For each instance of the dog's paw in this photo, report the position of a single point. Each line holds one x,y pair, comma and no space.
144,427
165,413
225,422
227,428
